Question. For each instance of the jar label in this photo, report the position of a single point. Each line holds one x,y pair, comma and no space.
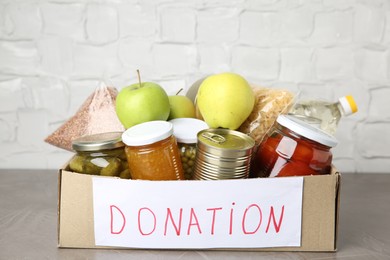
286,147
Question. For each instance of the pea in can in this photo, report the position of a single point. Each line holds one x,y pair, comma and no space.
222,154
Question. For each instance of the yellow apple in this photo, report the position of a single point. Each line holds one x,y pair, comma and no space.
225,100
181,106
198,115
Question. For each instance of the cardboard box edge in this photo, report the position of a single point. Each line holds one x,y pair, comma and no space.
337,209
59,206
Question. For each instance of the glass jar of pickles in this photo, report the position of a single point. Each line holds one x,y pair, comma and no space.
152,151
185,130
293,148
100,154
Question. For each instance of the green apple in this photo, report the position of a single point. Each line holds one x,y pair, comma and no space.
181,106
142,102
225,100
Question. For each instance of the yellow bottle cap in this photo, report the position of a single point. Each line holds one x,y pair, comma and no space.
349,105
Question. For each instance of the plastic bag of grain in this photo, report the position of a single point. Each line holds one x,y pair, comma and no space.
96,115
269,104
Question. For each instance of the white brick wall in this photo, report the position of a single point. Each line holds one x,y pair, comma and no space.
53,54
101,23
177,24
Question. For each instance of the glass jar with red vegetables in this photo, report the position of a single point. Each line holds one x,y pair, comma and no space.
293,148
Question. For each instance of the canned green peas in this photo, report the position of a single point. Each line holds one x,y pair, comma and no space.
187,153
185,131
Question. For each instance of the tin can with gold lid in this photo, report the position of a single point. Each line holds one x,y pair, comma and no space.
222,154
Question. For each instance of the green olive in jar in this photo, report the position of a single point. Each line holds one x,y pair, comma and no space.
113,168
77,164
125,174
81,163
89,167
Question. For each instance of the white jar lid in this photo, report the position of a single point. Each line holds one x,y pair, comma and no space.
306,130
185,130
147,133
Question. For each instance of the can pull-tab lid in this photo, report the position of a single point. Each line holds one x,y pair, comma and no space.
214,137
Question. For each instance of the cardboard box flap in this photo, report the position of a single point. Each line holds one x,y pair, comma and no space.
76,225
319,212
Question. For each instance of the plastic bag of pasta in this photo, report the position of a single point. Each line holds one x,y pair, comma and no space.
269,104
96,115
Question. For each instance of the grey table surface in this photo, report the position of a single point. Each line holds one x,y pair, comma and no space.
28,223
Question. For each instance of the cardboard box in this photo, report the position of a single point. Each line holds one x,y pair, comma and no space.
320,206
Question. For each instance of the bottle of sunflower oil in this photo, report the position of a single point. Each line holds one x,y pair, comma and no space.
328,114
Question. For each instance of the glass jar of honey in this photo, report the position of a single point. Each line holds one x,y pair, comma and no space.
186,132
100,154
152,151
293,148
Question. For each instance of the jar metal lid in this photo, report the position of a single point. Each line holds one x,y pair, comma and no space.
186,129
306,130
96,142
147,133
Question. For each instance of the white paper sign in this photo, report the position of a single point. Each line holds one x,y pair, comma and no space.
250,213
